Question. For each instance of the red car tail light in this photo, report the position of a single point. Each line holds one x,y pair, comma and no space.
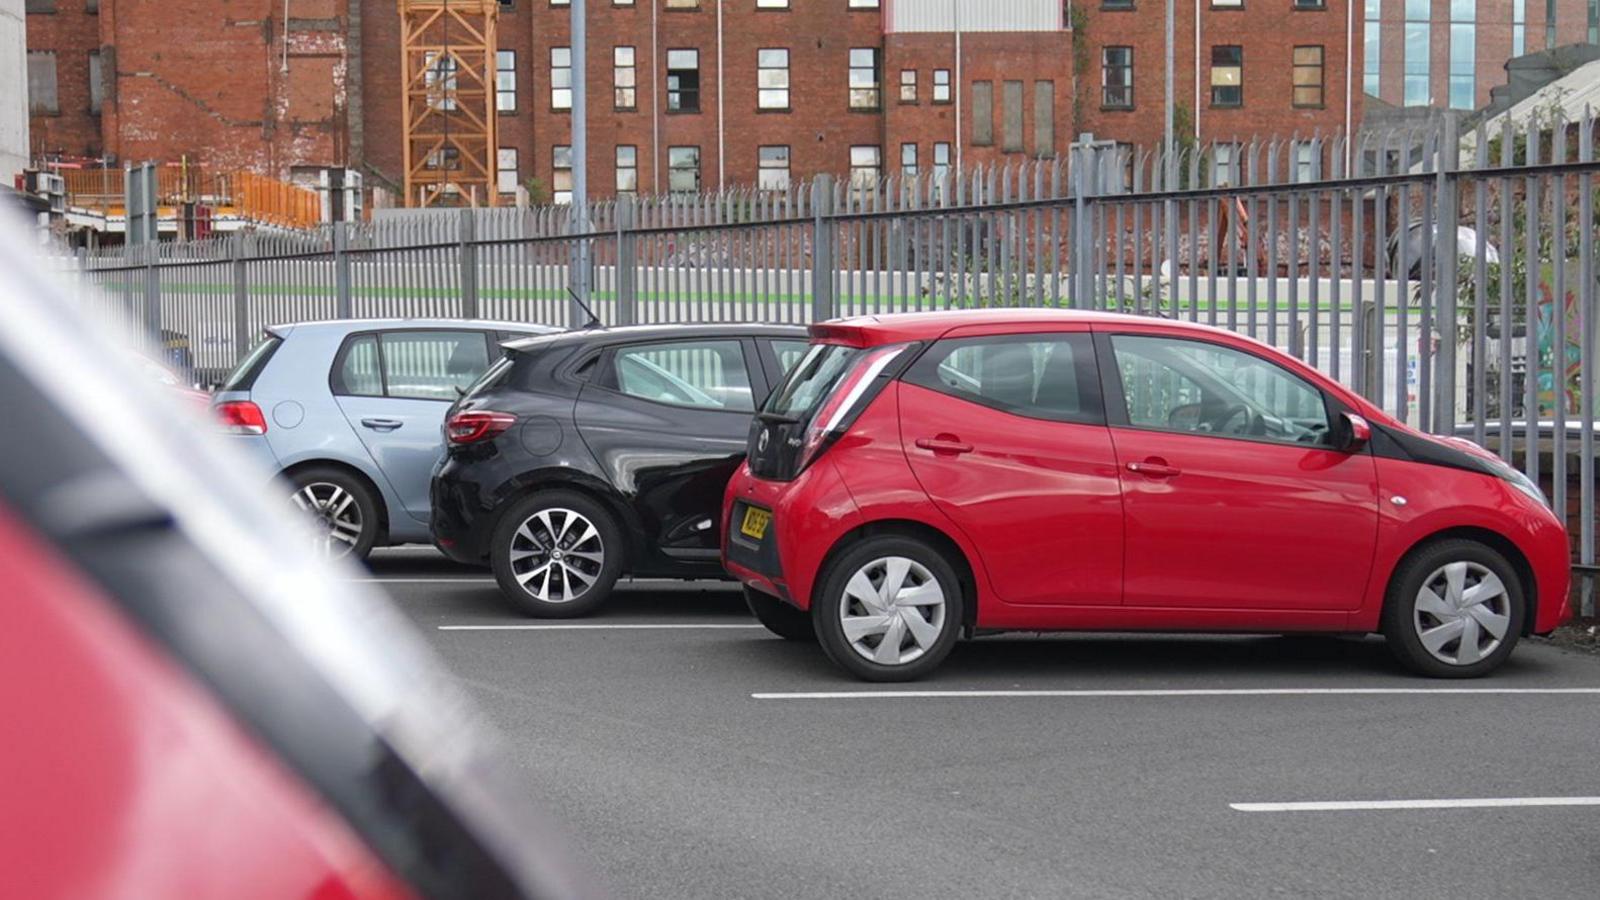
850,395
241,417
477,425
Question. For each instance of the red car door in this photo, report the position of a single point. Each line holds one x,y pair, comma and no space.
1005,433
1232,498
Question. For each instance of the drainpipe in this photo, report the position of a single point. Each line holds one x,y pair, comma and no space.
1197,71
655,96
955,12
285,67
721,155
1349,81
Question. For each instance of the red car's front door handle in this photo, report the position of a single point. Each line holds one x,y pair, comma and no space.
1153,469
943,445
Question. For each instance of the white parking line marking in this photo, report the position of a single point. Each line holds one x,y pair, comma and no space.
1197,692
424,580
1367,805
598,626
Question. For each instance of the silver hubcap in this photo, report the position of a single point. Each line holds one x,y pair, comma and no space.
1462,613
556,555
892,611
335,517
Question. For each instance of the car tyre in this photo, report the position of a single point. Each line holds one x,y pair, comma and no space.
557,554
343,511
888,589
1454,609
779,617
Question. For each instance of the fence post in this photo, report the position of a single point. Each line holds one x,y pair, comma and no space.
822,245
468,235
1448,200
627,280
241,297
152,294
343,301
1083,187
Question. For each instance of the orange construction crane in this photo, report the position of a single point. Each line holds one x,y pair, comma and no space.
447,50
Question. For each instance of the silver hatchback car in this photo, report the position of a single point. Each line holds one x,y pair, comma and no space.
351,415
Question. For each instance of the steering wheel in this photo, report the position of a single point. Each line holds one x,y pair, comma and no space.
1221,425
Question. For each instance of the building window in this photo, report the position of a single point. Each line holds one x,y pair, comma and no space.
864,86
505,81
683,83
42,97
97,87
627,170
683,4
1044,118
1011,116
772,168
1116,4
1227,4
39,6
863,4
941,169
1414,68
560,77
983,114
447,158
1310,4
558,2
1224,160
1307,162
1372,59
866,167
506,170
772,4
772,79
1308,76
1227,75
683,170
908,85
561,184
624,79
1464,51
440,81
1116,77
941,85
908,161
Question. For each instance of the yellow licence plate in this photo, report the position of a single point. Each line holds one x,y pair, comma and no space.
755,523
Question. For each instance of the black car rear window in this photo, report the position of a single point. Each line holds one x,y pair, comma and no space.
244,375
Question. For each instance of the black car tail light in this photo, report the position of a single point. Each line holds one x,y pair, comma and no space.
477,425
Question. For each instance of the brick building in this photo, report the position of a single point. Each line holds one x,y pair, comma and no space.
689,94
1451,53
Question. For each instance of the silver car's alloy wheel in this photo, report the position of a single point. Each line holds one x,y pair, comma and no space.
892,611
336,517
1462,613
556,555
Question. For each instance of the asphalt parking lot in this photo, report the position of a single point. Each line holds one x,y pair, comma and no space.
688,753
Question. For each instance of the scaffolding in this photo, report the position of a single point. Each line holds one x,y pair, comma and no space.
447,52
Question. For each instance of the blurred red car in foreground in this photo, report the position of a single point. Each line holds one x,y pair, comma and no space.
195,706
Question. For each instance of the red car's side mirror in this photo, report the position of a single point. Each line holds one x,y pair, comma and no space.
1356,433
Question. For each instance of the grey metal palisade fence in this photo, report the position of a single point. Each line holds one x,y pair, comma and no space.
1449,277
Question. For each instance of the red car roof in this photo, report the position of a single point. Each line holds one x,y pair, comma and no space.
866,331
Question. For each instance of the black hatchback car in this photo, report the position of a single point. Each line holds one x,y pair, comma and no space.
587,455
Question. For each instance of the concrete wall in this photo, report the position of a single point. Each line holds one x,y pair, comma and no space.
13,90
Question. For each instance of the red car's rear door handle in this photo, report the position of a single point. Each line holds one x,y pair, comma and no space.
1154,469
943,445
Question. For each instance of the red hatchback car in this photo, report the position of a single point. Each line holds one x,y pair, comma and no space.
922,477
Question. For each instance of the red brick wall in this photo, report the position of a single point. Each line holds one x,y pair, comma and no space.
71,31
1267,30
210,84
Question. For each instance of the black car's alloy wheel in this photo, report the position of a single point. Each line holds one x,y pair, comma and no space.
557,554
